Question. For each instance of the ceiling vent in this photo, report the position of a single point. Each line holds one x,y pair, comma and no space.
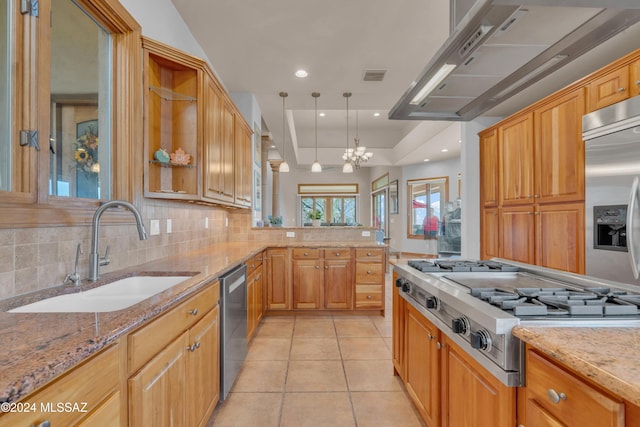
373,75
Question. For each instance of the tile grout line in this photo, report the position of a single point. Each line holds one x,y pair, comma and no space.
286,374
344,372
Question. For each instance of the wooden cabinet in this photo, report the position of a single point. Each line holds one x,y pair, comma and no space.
174,364
173,83
398,320
517,227
490,233
95,382
243,168
369,280
473,397
555,397
338,279
489,171
634,77
516,166
254,293
186,108
559,150
560,236
608,89
422,365
278,282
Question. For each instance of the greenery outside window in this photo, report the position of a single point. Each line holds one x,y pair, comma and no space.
336,203
427,200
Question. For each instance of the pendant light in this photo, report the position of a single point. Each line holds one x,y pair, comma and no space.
316,167
347,167
284,166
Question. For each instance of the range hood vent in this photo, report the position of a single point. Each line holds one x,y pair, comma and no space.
500,47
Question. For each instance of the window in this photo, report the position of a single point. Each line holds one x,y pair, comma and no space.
62,91
379,202
427,199
337,203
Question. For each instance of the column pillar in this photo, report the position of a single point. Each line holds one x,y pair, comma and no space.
275,187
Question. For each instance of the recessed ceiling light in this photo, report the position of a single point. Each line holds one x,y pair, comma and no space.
322,114
459,141
444,150
376,114
427,160
302,73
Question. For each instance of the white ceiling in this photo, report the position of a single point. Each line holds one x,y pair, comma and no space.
256,46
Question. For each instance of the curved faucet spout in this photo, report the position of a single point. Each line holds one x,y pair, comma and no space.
94,256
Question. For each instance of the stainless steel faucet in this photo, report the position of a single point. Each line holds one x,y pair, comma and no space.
95,261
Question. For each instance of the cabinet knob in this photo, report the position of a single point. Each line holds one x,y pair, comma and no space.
439,345
621,89
197,344
317,266
369,297
191,348
45,423
431,337
555,397
368,253
368,271
194,312
326,267
337,253
637,82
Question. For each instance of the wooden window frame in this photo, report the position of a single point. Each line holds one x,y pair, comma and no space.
443,202
29,204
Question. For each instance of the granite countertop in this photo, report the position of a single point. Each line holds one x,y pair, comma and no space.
36,347
607,356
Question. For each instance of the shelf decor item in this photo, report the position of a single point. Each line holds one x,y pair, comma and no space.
179,157
162,155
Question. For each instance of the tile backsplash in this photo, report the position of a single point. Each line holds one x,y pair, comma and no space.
37,258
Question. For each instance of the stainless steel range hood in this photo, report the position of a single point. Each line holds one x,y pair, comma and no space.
500,47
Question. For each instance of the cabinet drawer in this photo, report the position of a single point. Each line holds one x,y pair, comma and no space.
337,253
306,253
253,263
579,404
368,272
89,383
368,296
370,254
150,339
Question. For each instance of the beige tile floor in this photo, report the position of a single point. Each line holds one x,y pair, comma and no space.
319,371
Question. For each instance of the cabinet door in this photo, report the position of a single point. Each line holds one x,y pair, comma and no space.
338,284
515,157
634,78
423,366
278,285
517,234
398,330
203,385
243,169
559,149
251,305
489,168
258,290
157,393
473,396
228,140
560,237
490,233
607,90
308,281
537,416
213,145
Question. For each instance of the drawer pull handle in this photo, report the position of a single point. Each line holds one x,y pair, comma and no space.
337,253
431,337
555,397
197,344
369,296
439,345
368,271
45,423
621,89
194,312
306,254
317,266
191,348
326,267
368,253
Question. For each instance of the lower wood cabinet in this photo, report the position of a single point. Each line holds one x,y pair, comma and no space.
278,283
398,319
93,387
338,279
555,397
369,280
308,278
180,384
254,293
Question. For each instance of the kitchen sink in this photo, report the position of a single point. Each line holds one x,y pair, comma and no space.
113,296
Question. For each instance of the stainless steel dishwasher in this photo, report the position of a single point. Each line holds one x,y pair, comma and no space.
233,327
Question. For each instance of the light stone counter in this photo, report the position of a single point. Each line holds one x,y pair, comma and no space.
609,356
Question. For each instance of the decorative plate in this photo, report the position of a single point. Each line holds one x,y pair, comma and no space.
180,157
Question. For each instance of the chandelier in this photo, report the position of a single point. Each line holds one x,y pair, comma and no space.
359,154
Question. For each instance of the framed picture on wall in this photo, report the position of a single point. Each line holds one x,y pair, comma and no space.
393,197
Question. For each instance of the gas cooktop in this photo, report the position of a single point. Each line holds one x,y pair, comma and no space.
459,265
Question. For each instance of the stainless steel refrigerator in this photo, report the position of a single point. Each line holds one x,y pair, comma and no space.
612,176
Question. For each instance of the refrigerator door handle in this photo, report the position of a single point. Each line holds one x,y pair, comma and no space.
633,199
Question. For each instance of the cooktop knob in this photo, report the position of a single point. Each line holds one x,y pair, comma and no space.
432,303
481,340
460,325
400,281
406,286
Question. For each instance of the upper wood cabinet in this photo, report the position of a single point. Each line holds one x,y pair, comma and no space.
489,170
559,150
187,109
516,167
611,88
